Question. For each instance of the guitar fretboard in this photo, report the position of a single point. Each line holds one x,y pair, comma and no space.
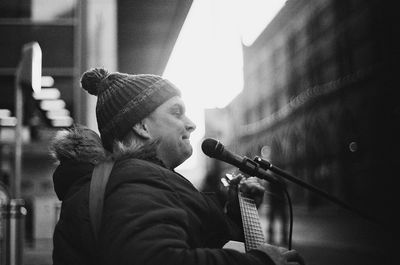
253,234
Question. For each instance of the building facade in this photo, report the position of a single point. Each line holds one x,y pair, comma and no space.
318,101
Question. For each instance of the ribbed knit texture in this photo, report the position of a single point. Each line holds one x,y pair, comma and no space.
123,100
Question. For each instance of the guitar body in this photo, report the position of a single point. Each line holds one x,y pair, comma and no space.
235,245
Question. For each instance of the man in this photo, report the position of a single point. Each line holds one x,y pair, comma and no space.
151,214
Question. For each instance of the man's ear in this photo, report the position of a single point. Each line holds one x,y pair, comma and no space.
140,129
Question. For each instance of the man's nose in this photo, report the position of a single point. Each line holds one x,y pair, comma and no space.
190,126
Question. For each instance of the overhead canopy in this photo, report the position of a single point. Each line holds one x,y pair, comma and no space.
147,32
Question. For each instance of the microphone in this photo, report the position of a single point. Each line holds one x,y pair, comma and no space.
258,167
216,149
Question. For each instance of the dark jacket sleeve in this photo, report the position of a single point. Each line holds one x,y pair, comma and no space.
144,223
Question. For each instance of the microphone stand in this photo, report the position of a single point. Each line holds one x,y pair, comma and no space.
266,165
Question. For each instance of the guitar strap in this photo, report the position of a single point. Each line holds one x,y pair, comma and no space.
98,184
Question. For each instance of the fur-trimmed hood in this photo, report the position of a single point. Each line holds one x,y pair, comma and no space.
79,144
76,150
79,149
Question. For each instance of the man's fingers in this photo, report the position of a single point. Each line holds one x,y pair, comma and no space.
236,179
251,185
292,256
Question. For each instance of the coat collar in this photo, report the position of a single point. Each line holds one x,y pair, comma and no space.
79,149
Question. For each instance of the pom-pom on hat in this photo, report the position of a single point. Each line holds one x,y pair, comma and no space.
124,99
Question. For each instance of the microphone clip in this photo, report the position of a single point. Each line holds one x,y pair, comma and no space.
250,167
264,164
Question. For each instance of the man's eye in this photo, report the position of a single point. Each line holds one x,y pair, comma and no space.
177,112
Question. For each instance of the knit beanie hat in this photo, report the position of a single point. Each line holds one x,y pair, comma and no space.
124,99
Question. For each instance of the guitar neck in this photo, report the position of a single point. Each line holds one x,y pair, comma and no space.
253,234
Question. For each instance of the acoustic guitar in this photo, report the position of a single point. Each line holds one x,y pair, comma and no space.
253,235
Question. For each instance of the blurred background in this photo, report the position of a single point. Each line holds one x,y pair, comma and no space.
308,85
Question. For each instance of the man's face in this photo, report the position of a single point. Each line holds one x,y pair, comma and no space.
169,124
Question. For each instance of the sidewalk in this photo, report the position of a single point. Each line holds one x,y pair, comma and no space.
39,253
338,237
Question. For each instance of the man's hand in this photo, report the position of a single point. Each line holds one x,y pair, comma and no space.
251,187
282,256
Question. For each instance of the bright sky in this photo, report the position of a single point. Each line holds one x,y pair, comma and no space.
206,63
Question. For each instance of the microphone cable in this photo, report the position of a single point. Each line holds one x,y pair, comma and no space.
290,217
265,165
290,210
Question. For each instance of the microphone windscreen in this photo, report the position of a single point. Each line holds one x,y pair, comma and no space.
209,147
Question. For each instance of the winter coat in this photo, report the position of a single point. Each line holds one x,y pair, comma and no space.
151,215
